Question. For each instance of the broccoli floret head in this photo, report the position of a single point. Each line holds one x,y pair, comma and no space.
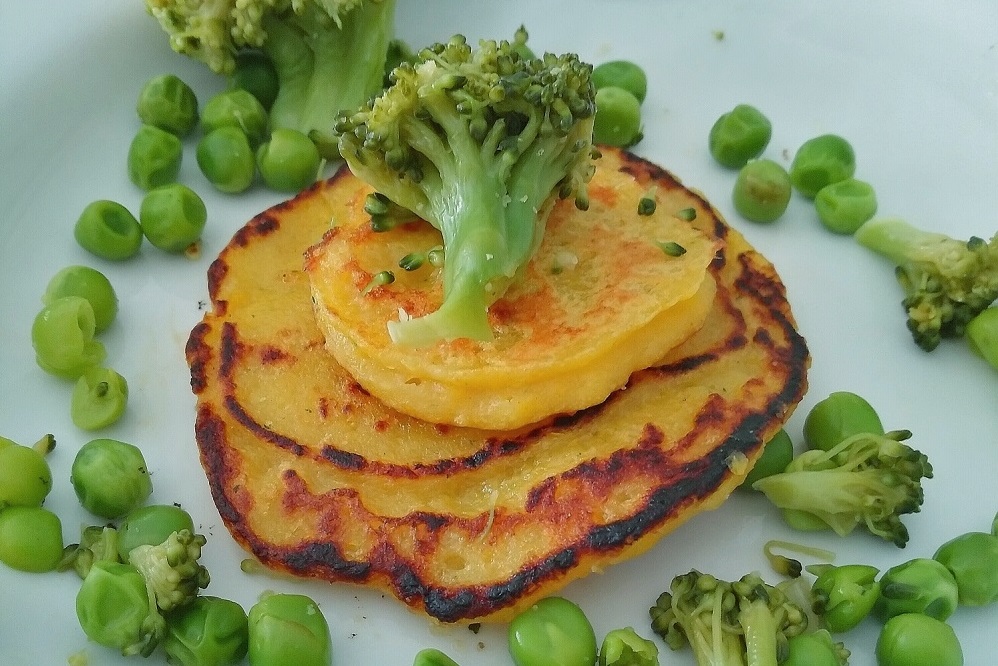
946,281
329,54
742,623
171,569
479,143
868,479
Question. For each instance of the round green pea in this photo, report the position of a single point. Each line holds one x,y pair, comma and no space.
88,283
113,607
821,161
289,161
972,558
25,476
99,399
226,159
776,455
621,74
844,206
154,157
913,639
432,657
236,108
168,103
210,631
762,191
839,416
172,217
108,230
552,632
739,135
110,477
255,73
62,335
921,586
982,335
618,117
151,525
816,648
30,538
288,629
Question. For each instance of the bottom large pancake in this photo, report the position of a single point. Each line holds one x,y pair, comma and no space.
317,478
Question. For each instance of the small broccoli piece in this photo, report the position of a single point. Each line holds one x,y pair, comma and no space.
868,479
479,143
97,544
385,214
329,55
742,623
946,281
171,569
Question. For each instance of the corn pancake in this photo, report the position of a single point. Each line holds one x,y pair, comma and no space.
599,300
317,478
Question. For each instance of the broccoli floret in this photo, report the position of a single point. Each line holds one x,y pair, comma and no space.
742,623
329,55
867,479
97,544
946,281
171,569
479,143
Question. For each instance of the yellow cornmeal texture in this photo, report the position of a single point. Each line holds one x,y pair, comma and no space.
318,478
599,300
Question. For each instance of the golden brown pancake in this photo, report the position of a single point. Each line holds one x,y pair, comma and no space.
317,478
599,300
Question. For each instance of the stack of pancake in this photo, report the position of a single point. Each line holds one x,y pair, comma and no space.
626,389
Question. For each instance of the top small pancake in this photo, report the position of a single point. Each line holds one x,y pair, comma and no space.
599,300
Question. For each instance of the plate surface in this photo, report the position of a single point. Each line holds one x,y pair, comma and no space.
915,91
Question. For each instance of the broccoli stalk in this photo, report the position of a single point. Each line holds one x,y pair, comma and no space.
742,623
171,569
946,282
478,143
867,479
329,54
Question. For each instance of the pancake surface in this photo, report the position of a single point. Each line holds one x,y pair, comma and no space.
599,300
316,477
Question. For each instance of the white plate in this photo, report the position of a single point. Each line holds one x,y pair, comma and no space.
914,87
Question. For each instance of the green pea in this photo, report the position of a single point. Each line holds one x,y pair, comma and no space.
114,609
621,74
844,595
739,135
432,657
4,443
30,538
618,118
255,73
288,629
839,416
110,477
982,335
624,647
921,586
762,191
913,639
108,230
816,648
62,335
289,161
172,217
552,632
25,476
154,157
226,159
98,399
776,455
821,161
844,206
972,558
236,108
151,525
209,631
88,283
168,103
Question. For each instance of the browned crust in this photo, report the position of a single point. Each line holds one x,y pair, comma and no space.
677,485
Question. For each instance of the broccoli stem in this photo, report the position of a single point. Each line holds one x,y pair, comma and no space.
897,239
760,633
